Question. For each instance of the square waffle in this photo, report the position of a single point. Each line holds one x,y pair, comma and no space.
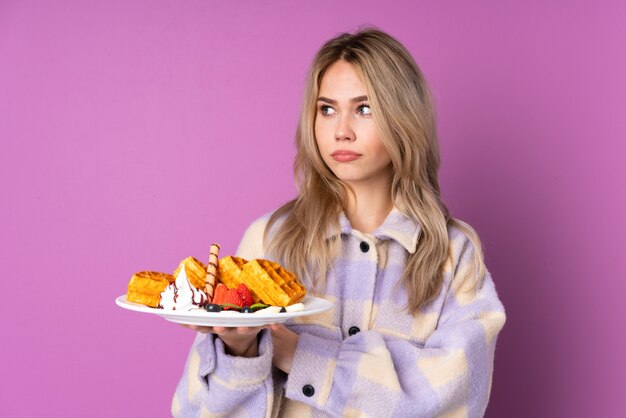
229,272
196,272
229,269
145,287
272,283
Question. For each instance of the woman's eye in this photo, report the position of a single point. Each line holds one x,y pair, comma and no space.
364,110
327,110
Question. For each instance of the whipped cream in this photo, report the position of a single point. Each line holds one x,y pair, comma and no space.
182,295
296,307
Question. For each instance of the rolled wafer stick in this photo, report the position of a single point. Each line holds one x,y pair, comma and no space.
211,271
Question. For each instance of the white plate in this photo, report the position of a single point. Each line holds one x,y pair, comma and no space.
312,306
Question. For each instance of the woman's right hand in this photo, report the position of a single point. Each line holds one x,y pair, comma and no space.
239,341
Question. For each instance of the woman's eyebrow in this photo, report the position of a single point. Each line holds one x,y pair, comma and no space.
331,101
359,99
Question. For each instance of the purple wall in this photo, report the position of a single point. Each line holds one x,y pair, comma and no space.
134,134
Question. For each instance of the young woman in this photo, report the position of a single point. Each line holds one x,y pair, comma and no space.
413,329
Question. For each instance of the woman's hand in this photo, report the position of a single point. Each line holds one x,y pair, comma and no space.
242,341
239,341
284,341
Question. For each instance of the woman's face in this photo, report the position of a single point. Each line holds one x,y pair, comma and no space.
346,134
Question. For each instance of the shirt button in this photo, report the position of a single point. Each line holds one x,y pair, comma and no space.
353,330
365,247
308,390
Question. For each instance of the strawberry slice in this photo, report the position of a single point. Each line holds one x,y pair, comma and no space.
244,293
233,298
219,294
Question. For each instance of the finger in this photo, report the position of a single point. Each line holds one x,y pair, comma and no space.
197,328
276,327
205,330
251,330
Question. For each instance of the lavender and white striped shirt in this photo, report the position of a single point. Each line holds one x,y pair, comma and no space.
366,357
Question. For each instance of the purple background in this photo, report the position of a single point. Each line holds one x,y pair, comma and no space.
134,134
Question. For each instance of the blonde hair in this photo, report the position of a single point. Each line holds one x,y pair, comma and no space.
404,113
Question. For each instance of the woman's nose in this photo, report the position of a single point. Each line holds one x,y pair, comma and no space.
344,131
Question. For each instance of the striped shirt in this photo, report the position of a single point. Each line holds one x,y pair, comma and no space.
367,356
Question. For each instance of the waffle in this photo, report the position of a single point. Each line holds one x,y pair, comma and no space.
196,272
145,287
229,269
229,272
272,283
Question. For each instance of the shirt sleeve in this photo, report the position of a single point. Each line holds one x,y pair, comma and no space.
217,384
214,382
375,374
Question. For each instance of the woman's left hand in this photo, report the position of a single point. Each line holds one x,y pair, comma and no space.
284,341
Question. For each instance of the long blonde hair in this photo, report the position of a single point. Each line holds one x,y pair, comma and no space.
404,113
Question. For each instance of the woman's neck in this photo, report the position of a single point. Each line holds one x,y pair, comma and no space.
369,206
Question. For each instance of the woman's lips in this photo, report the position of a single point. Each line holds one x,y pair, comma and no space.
344,156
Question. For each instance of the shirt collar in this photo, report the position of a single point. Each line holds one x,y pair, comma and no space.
397,226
